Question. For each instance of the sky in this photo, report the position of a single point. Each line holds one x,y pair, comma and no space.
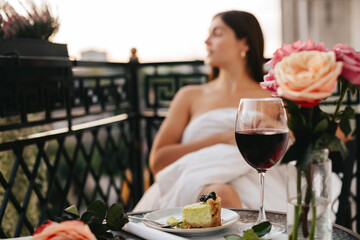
161,30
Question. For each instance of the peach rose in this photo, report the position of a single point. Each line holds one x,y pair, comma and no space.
67,230
269,82
307,77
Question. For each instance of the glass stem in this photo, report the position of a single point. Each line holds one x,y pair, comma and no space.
262,216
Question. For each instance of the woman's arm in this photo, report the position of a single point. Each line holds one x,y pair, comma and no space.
167,148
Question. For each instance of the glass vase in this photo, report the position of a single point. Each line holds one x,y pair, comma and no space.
309,198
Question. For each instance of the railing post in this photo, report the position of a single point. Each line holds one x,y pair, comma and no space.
68,89
357,174
135,131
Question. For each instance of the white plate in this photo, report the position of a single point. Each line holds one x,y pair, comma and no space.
228,218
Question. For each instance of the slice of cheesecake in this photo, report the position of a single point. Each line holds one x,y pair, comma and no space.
203,214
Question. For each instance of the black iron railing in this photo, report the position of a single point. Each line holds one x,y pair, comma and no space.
73,131
67,136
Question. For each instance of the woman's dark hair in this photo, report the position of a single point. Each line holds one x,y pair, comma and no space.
245,25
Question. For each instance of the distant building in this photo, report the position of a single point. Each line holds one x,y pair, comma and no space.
327,21
93,55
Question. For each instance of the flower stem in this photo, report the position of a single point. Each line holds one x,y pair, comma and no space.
313,222
297,208
308,197
344,88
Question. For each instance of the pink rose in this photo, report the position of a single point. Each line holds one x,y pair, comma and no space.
351,62
307,77
67,230
297,46
269,83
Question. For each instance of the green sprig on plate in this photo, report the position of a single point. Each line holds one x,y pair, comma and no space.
253,233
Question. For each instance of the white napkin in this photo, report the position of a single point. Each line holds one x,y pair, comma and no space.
20,238
139,229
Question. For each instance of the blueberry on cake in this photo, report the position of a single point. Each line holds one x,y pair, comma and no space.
206,213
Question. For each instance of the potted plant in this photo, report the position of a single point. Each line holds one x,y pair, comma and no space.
29,34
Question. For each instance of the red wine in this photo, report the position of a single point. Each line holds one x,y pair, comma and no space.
262,148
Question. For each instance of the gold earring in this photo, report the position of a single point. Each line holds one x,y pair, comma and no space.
243,54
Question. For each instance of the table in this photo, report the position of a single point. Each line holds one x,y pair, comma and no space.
339,232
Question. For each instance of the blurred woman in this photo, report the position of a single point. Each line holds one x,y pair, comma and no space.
194,151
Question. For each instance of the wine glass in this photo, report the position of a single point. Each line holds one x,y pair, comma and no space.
262,134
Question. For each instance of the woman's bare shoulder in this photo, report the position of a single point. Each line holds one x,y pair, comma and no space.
193,88
190,91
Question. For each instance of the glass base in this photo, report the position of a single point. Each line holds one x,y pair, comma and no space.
276,229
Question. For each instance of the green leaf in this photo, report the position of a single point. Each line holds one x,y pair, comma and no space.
232,237
291,154
72,210
250,235
332,128
90,217
95,214
262,228
336,145
304,157
97,228
295,123
290,105
344,117
345,126
348,112
116,218
297,152
321,126
99,208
